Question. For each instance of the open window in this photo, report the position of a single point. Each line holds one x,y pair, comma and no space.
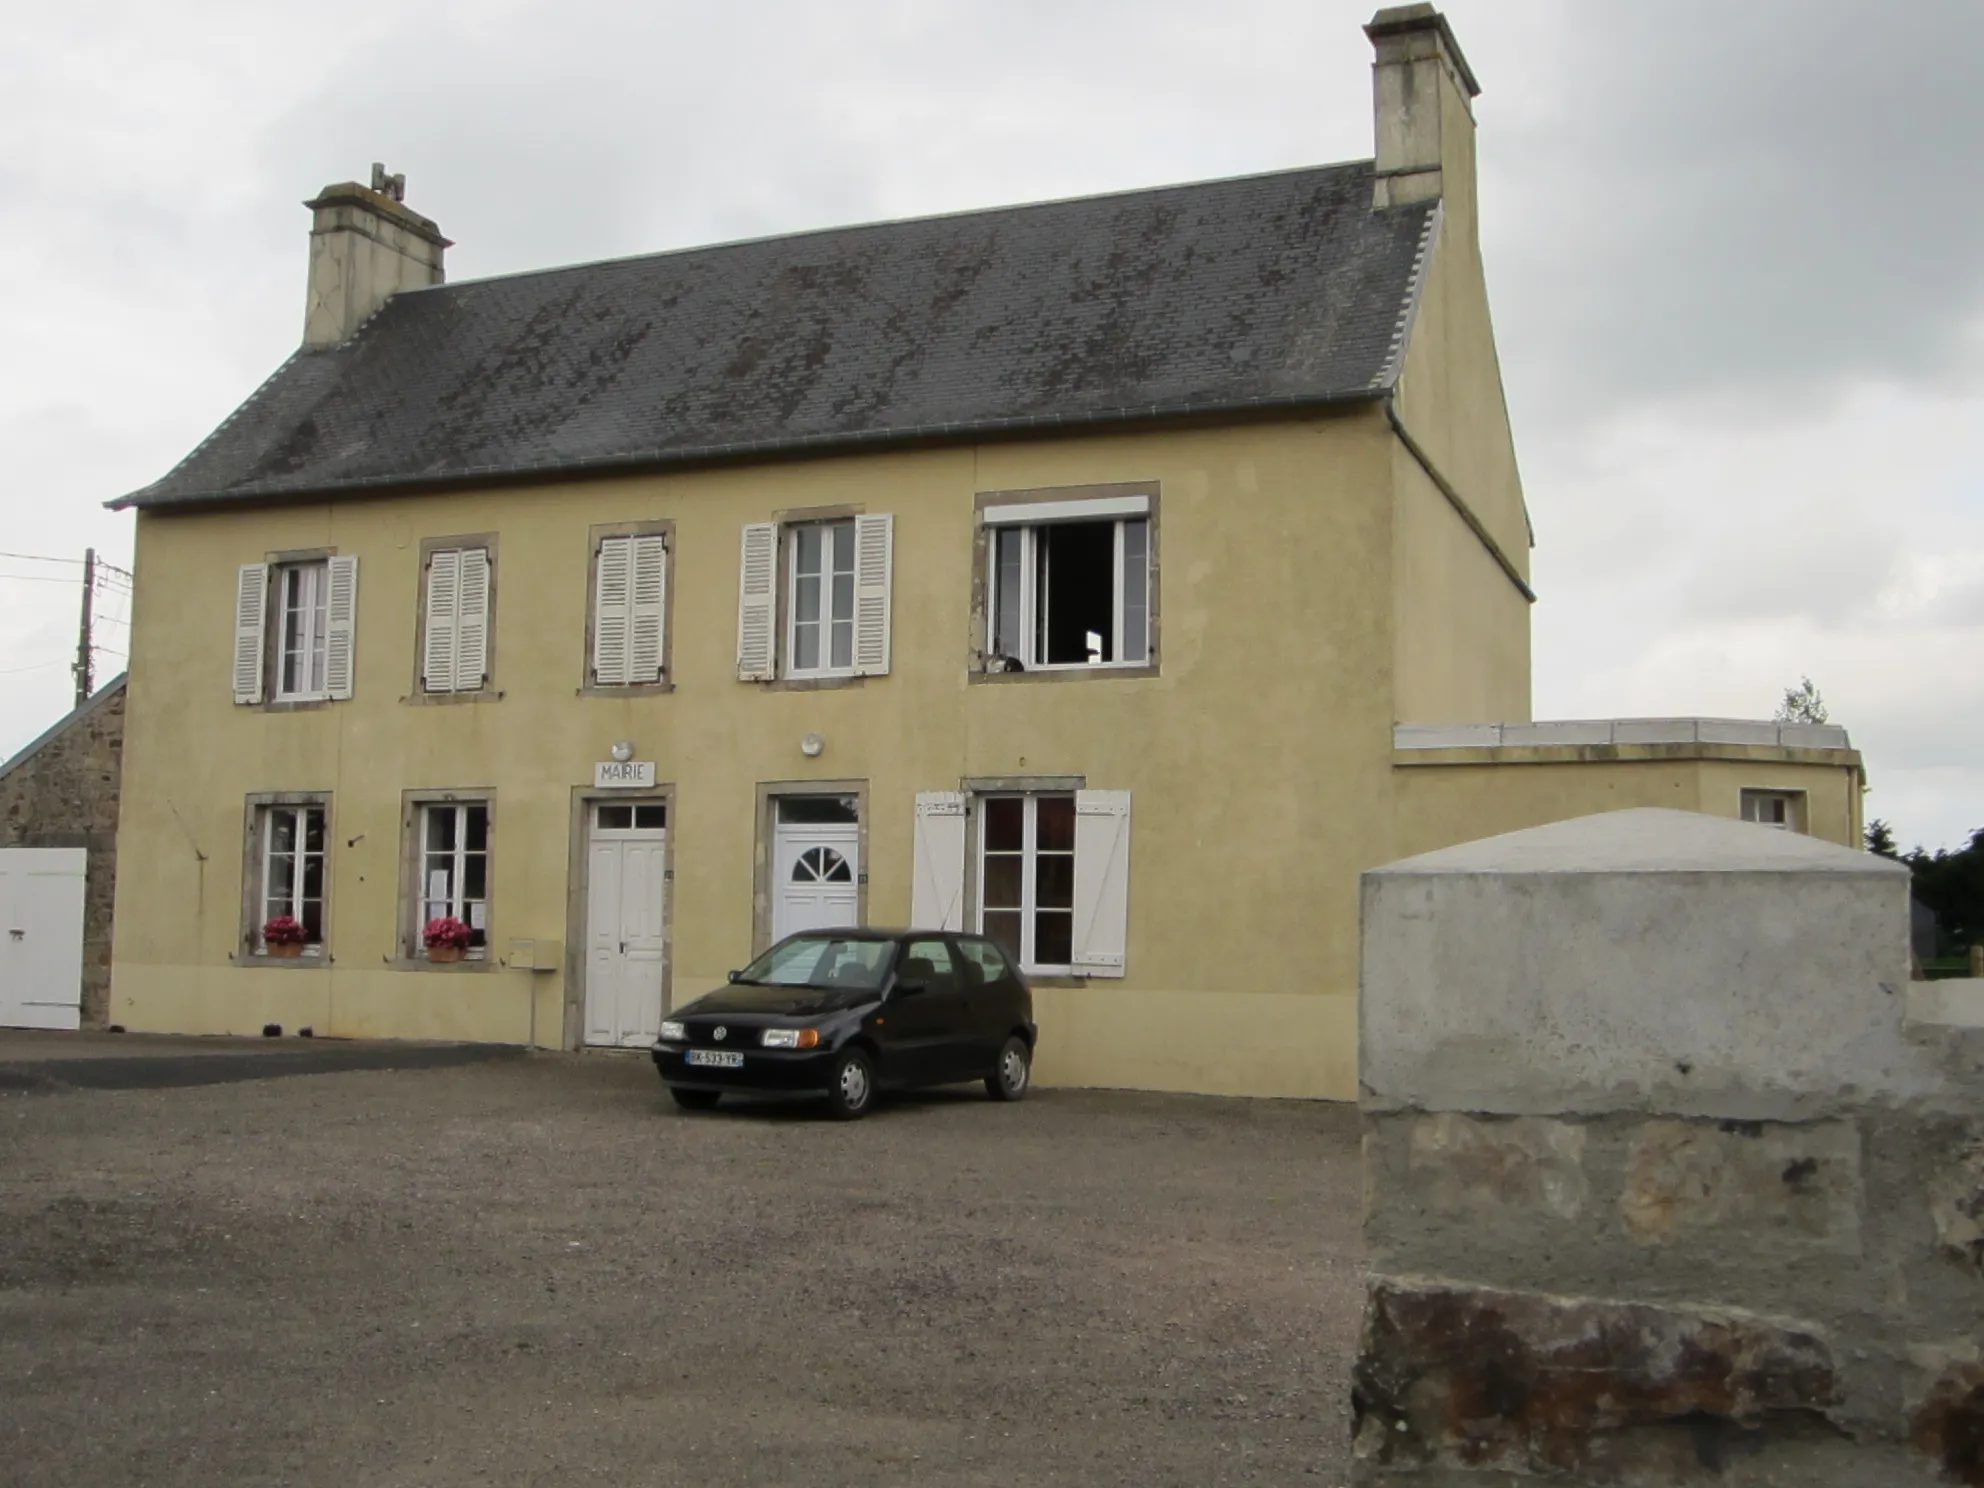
1069,584
1784,810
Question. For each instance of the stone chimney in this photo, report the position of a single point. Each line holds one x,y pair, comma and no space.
1422,87
365,247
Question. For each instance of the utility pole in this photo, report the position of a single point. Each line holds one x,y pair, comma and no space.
85,655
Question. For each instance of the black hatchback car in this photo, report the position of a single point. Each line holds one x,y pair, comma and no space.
848,1013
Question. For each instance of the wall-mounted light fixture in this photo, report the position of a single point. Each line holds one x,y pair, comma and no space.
623,751
812,746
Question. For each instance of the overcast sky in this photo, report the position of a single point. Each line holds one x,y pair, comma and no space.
1736,255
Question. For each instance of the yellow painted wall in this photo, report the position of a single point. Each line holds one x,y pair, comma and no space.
1441,805
1252,759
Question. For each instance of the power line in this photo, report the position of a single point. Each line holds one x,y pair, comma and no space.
37,579
41,558
37,667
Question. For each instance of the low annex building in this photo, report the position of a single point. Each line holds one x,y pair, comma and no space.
1075,572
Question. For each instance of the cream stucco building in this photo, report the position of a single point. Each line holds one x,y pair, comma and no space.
1121,576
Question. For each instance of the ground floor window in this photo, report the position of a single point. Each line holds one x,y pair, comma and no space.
286,906
454,873
1026,878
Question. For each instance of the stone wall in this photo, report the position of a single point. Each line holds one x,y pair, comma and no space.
62,791
1668,1179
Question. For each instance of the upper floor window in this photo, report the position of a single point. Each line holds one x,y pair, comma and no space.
629,632
820,603
1783,809
306,654
1068,584
813,598
457,613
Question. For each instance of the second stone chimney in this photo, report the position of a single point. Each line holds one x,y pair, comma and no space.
1422,89
365,247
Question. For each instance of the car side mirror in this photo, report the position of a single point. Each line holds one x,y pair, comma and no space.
911,988
732,975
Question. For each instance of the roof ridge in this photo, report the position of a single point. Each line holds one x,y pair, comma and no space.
873,223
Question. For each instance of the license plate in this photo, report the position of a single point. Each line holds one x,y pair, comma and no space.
714,1058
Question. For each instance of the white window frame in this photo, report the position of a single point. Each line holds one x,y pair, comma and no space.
1028,533
457,903
266,908
313,610
1752,805
1029,877
835,534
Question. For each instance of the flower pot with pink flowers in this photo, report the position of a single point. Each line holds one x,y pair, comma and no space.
284,936
446,939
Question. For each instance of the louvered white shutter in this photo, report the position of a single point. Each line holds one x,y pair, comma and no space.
757,604
649,567
340,625
472,622
1102,882
251,603
444,584
936,896
612,611
874,540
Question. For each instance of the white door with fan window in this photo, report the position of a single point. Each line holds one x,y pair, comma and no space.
816,864
626,923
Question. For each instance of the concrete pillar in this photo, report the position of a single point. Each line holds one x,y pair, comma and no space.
365,247
1666,1184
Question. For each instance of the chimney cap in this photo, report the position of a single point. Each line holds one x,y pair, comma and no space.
1406,20
380,204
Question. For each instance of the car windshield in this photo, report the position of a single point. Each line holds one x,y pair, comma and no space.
822,961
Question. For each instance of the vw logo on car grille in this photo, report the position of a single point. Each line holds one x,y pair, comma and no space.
720,1034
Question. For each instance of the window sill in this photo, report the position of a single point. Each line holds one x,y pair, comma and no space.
1053,979
421,963
625,689
432,699
262,960
1067,673
813,683
295,704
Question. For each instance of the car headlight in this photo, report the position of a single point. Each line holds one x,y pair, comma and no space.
674,1033
791,1038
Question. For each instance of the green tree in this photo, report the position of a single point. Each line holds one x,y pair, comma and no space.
1802,704
1952,884
1880,839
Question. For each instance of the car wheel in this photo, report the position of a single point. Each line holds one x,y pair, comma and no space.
695,1100
1014,1073
851,1085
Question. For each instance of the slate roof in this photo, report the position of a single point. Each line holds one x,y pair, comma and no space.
1258,291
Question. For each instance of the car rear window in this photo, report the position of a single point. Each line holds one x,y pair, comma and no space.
987,961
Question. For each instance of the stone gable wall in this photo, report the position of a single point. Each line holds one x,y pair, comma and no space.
65,795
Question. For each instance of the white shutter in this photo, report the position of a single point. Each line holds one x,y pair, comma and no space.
612,609
757,604
444,583
1102,882
936,897
472,622
340,624
251,603
874,540
649,605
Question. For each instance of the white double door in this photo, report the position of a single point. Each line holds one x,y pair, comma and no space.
816,870
626,926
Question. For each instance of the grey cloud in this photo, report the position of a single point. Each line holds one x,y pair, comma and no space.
1765,198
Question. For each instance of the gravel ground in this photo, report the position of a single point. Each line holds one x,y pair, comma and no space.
538,1272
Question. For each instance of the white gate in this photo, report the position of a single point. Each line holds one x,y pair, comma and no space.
41,936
